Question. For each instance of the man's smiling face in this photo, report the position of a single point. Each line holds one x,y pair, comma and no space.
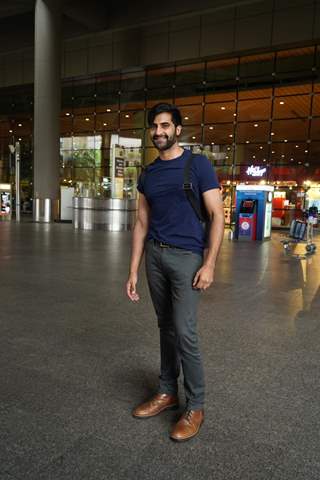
164,134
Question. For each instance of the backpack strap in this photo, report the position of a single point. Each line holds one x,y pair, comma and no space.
143,177
187,187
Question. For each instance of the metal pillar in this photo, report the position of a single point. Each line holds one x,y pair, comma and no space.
47,104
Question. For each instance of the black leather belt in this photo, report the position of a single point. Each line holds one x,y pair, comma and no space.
165,245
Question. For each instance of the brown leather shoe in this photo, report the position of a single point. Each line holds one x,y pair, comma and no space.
155,405
188,426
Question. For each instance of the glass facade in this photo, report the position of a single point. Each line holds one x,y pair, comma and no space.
16,124
256,117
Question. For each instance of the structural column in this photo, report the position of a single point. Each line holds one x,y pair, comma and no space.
47,104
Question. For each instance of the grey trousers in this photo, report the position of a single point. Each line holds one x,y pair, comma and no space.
170,273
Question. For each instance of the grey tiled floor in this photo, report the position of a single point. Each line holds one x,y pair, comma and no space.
76,356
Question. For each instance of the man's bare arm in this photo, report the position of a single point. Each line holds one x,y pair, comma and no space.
138,238
214,206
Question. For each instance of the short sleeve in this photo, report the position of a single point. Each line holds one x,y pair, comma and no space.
140,183
207,176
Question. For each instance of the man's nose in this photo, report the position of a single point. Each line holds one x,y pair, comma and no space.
158,130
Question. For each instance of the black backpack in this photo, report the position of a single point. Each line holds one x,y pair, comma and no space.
198,207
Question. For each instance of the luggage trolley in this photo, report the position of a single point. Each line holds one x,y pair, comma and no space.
300,232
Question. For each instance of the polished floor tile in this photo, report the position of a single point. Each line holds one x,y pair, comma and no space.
76,357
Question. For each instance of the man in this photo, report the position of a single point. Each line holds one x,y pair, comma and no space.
168,228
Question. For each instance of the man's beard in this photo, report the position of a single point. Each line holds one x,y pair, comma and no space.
163,142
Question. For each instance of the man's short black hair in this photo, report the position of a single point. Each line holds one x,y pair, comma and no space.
165,108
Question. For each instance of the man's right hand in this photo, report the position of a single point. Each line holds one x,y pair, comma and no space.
131,287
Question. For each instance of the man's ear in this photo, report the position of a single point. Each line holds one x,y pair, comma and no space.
178,129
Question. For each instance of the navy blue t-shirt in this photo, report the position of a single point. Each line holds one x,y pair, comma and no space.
173,219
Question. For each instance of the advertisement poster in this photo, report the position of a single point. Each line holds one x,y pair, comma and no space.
117,179
245,226
5,204
119,167
267,220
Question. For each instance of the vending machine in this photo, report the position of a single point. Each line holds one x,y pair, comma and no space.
248,220
253,212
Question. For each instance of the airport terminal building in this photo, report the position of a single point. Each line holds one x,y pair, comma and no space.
77,80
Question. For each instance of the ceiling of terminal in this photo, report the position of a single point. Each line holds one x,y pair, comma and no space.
17,21
81,17
18,7
15,7
125,8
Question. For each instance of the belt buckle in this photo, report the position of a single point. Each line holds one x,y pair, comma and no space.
163,245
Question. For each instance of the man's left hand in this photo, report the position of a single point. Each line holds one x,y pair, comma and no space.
203,278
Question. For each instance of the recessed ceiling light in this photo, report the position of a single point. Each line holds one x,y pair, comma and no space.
261,148
87,119
285,140
210,128
230,135
297,146
108,110
212,143
19,124
186,118
234,114
105,124
67,114
306,151
193,138
10,131
256,125
282,102
223,108
282,156
247,141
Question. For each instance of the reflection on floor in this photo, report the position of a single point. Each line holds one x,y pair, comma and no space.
76,356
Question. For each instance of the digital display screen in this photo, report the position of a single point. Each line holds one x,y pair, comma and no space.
247,206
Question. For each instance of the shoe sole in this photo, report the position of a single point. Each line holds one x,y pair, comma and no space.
181,440
141,417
